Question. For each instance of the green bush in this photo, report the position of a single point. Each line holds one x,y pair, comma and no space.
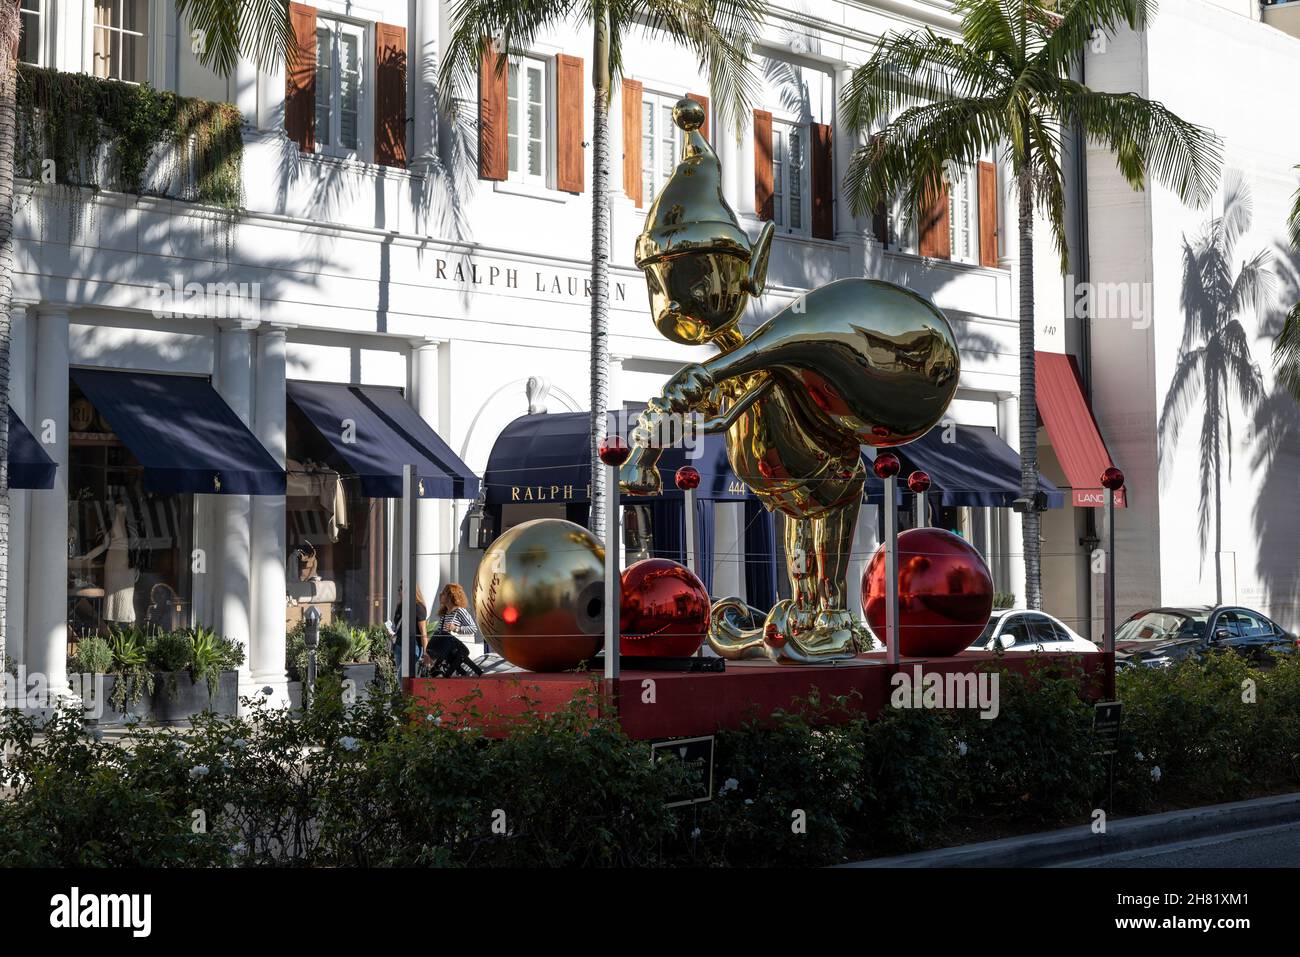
94,656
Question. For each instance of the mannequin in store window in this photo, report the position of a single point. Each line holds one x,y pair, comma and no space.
119,576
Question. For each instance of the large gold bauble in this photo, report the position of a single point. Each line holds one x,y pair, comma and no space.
539,595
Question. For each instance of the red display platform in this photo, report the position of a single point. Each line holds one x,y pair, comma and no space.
654,705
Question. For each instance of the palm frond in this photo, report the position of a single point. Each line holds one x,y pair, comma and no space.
1081,18
721,33
223,29
1286,353
478,26
1147,138
1293,221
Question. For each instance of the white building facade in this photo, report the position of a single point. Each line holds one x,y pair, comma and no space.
1228,65
378,247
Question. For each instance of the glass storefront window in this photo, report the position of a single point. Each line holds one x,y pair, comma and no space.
338,537
128,548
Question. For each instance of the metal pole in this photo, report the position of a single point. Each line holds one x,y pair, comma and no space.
1110,572
690,530
922,513
409,624
613,524
891,568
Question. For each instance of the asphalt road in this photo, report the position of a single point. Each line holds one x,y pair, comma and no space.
1267,847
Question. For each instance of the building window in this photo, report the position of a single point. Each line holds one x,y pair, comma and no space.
661,143
526,121
31,40
340,86
962,201
790,176
128,548
121,40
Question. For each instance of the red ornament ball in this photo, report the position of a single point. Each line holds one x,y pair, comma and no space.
945,593
886,465
613,450
687,478
1112,479
664,610
919,482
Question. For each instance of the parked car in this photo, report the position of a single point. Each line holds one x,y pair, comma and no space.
1018,629
1160,637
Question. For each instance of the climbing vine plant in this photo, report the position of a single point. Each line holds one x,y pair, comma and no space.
83,131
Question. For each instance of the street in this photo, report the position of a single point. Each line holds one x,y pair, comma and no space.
1277,846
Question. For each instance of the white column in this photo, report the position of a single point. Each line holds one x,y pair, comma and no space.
614,402
745,169
429,512
269,541
47,586
230,568
424,71
1009,430
19,500
727,145
244,90
847,226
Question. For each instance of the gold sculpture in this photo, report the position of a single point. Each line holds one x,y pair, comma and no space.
855,362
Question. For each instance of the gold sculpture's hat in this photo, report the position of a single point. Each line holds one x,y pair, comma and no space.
690,213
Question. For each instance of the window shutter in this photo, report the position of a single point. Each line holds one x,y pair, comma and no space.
300,79
935,241
569,159
823,182
763,164
390,94
988,213
632,91
704,102
492,160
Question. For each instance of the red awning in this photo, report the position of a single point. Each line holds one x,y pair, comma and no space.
1072,429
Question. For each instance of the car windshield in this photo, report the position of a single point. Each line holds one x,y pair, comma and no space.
1160,626
987,633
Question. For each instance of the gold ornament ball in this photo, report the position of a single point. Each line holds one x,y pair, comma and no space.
539,595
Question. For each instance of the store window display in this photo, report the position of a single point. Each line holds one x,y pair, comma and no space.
128,548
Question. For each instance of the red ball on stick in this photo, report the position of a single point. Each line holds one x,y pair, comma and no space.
613,450
687,478
886,465
919,482
1112,479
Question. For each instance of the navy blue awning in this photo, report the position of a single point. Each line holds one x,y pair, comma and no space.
974,468
182,432
384,436
29,464
546,458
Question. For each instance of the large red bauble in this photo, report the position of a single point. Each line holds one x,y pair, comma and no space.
945,593
664,609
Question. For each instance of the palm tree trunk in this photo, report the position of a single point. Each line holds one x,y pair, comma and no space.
9,20
1030,518
1218,526
599,265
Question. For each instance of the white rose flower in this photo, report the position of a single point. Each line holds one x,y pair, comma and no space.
962,748
198,771
348,744
1155,773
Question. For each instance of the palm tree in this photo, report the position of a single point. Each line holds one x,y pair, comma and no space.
1286,347
1214,360
260,29
1006,86
719,32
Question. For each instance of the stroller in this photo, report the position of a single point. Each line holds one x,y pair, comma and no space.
450,656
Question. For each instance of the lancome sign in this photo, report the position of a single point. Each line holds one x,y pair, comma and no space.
512,276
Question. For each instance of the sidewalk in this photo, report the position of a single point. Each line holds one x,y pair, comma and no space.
1075,844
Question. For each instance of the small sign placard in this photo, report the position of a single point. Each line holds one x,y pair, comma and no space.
697,751
1105,725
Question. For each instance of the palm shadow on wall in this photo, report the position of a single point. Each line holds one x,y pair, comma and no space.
1215,372
1275,457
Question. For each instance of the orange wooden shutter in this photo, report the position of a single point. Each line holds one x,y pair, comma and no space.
823,182
704,102
390,94
632,91
300,79
988,186
935,241
763,164
492,160
569,158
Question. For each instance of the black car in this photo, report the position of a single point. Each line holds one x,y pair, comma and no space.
1160,637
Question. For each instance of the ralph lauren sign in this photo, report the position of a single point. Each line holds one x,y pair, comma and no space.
508,274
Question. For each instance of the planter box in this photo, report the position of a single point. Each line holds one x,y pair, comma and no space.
166,705
362,677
